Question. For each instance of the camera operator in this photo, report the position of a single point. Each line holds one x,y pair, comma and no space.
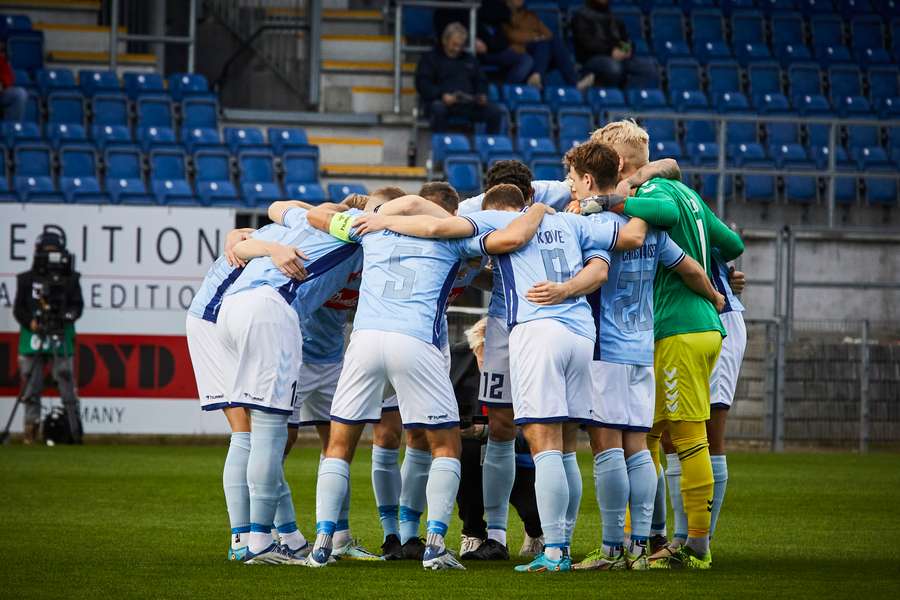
48,302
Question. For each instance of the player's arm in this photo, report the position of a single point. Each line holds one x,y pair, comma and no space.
320,216
412,205
589,279
279,207
632,235
518,233
737,280
423,226
664,168
695,278
288,259
657,209
721,236
232,238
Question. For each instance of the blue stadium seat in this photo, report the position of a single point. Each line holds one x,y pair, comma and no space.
520,95
788,36
504,156
286,138
826,30
870,157
605,99
258,184
168,178
78,175
563,97
829,55
647,99
124,176
200,138
106,136
821,156
748,27
782,133
418,22
791,53
708,36
806,86
154,111
6,194
813,7
737,133
708,188
684,75
182,85
668,30
110,109
777,5
575,123
13,24
445,144
532,148
882,191
708,51
34,177
868,43
200,112
301,165
488,146
895,38
800,189
846,91
723,76
764,78
65,107
750,53
23,79
142,84
789,154
547,169
32,108
732,102
464,173
700,132
15,133
155,137
665,149
893,134
850,8
51,80
26,50
92,82
338,191
757,188
862,136
533,121
213,178
661,129
311,193
632,18
239,139
66,133
690,6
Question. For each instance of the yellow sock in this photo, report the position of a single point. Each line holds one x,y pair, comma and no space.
692,446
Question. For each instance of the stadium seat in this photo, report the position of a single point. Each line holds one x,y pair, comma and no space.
155,137
777,5
65,107
708,36
311,193
286,138
800,189
124,176
708,51
110,109
13,24
533,121
92,82
868,42
464,173
828,55
301,165
26,50
668,30
665,149
723,76
339,191
870,157
66,133
445,144
154,111
34,176
737,133
782,133
239,139
213,178
846,91
140,84
488,146
547,169
647,99
884,90
757,188
881,191
821,156
495,158
813,7
862,136
789,154
605,99
182,85
764,78
200,138
575,123
78,175
700,132
893,134
850,8
661,129
200,112
520,95
418,22
826,30
24,79
806,86
32,108
788,36
563,97
106,136
258,184
6,194
748,27
532,148
632,18
168,178
684,75
54,80
18,133
750,53
731,102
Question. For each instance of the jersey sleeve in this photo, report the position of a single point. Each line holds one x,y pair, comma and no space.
670,254
653,205
556,194
293,216
342,228
603,255
485,221
470,247
721,236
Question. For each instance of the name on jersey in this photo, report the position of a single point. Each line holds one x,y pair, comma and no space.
553,236
645,251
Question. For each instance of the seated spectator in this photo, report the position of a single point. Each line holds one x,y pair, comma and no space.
603,48
526,33
451,83
12,98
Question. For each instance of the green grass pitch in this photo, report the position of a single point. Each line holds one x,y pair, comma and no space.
110,522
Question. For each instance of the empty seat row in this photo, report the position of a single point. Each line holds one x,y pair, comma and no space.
92,81
490,148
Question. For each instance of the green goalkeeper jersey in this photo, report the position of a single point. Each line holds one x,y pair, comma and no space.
673,206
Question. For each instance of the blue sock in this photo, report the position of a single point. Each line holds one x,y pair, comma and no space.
443,483
720,482
673,482
611,485
551,489
498,476
264,474
284,512
234,482
658,526
342,526
331,489
573,478
386,483
414,475
642,491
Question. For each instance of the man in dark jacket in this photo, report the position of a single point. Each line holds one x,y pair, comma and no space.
451,83
603,47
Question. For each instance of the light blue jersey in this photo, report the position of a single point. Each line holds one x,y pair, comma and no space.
208,299
557,194
720,281
407,282
482,222
324,254
557,252
468,270
323,330
623,306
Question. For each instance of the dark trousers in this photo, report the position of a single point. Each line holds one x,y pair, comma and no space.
553,53
610,72
471,504
31,371
514,67
490,114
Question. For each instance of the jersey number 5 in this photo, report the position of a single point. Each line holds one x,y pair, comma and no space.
401,288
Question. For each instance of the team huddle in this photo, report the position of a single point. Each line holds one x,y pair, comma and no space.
612,310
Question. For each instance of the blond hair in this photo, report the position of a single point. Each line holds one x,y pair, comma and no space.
629,139
475,334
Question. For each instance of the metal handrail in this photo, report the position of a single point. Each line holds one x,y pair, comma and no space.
188,40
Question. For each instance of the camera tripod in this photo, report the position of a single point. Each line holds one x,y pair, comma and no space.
20,399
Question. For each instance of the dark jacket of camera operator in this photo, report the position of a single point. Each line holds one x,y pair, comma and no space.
27,305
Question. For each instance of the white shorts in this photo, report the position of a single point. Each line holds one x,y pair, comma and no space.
624,396
318,382
390,399
495,388
725,373
416,369
207,358
264,349
551,377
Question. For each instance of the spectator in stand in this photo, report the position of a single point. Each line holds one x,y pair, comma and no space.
451,83
491,45
12,98
603,48
527,34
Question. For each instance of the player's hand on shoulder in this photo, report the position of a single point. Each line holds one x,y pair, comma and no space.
546,293
234,237
289,261
369,223
737,280
544,208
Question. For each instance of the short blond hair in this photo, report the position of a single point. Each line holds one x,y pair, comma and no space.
629,139
475,334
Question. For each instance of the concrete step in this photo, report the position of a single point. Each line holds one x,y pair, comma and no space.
100,60
360,48
71,37
374,177
334,21
82,12
348,79
373,99
344,150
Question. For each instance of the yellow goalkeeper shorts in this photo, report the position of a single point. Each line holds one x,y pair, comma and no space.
683,365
